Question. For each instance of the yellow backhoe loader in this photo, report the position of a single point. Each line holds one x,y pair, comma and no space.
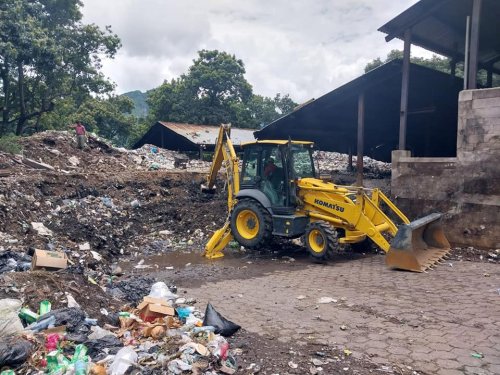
278,194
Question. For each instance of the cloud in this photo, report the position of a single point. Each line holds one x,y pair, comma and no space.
289,46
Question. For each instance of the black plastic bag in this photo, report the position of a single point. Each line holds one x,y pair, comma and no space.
72,317
14,352
99,348
222,326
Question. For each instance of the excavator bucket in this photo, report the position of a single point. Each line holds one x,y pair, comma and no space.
218,242
419,245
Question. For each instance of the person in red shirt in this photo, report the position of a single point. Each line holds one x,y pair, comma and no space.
81,135
269,168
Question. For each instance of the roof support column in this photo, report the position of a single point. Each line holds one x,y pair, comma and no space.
361,138
489,77
405,83
474,43
453,68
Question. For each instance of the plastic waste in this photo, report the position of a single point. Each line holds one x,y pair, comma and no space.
99,333
222,325
184,311
125,358
197,330
192,321
57,363
80,353
7,372
219,347
28,316
51,341
108,202
81,367
71,317
10,324
98,349
71,301
177,366
160,290
45,307
42,324
14,351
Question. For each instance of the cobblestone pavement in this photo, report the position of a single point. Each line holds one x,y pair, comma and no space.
432,322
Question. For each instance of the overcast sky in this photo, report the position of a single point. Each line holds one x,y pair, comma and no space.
303,48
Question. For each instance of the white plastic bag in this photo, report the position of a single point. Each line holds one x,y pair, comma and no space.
125,357
10,324
160,290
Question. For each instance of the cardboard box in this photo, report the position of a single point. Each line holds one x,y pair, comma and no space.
153,308
51,260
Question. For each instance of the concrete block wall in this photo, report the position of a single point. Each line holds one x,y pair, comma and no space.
466,188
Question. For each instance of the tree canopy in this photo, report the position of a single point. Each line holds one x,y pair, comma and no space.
435,62
48,55
214,91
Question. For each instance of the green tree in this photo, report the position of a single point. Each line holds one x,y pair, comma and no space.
109,117
214,91
47,55
435,62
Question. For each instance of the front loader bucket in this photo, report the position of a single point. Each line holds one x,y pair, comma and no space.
418,245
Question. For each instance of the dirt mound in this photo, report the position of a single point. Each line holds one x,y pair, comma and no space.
113,215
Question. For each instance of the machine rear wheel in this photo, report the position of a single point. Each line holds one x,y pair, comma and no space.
251,224
321,240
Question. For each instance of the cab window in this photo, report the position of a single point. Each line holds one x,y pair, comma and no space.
302,161
249,172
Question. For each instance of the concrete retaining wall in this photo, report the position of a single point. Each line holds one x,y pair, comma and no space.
466,188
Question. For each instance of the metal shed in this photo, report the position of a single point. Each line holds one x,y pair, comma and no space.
189,137
463,30
331,121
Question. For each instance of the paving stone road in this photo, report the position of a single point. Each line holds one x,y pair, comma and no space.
432,322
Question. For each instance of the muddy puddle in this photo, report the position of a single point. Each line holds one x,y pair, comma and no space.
190,268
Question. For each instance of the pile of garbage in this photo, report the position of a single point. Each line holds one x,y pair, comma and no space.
154,158
334,162
163,334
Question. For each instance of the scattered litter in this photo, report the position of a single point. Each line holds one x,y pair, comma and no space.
9,320
49,260
41,229
96,255
477,355
71,301
14,351
222,325
324,300
301,297
292,364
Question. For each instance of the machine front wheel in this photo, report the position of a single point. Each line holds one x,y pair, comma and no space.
321,240
251,224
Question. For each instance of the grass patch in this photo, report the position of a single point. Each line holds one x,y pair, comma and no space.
10,144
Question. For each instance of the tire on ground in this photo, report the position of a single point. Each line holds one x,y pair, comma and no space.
321,240
251,224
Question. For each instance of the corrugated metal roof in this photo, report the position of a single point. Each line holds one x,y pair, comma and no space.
439,26
206,134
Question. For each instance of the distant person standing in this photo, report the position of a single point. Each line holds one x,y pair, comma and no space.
81,135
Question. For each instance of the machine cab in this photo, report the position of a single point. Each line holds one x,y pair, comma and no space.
273,166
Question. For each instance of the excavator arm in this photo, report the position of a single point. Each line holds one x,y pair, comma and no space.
224,155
